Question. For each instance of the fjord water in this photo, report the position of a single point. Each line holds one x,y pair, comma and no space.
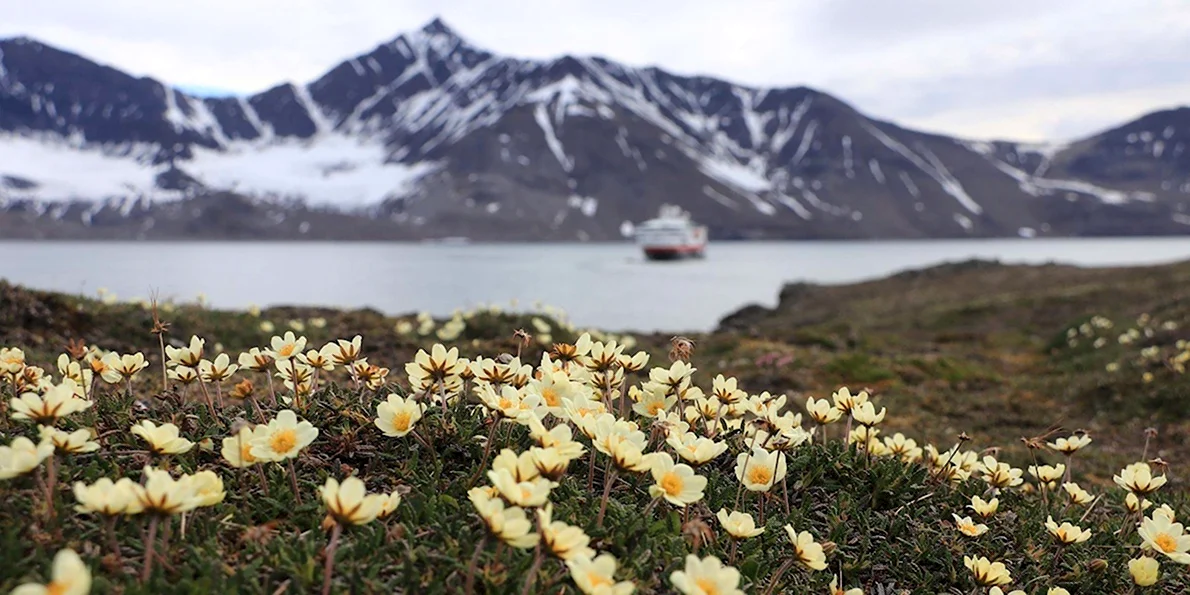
609,286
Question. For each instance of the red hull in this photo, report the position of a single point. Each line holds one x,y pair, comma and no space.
672,252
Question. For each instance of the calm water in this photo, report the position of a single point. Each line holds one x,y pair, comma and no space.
609,286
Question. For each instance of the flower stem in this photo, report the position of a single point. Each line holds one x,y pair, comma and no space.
113,543
777,577
537,559
487,452
149,541
330,558
469,586
293,482
608,480
272,391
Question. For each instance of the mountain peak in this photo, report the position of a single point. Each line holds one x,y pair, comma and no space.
438,27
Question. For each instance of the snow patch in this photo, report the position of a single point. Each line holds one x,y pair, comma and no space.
720,198
334,170
1026,232
551,139
964,221
94,172
735,175
874,167
933,168
807,138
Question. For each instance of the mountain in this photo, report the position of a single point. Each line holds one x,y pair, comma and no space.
428,136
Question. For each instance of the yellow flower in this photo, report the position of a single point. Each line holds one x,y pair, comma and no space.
760,470
531,493
986,572
564,541
1057,591
727,390
1069,446
1160,533
237,450
837,590
559,437
695,449
217,371
865,413
164,495
12,360
206,488
905,448
316,359
1067,533
122,367
23,456
508,524
845,401
1138,478
654,402
549,462
1144,571
678,483
391,502
188,356
706,576
78,441
968,527
999,591
343,352
984,508
435,371
396,416
70,577
163,439
58,401
1000,475
349,503
554,387
1134,504
597,576
808,552
107,497
256,360
283,438
1047,473
1077,494
738,524
521,466
183,374
286,347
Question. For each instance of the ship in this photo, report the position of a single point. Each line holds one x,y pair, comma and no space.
671,235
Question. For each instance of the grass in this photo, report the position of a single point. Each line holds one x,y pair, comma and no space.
977,348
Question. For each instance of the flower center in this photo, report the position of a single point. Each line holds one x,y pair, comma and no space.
246,453
286,350
57,588
655,406
760,475
598,580
283,441
1166,542
550,396
505,403
401,421
707,586
672,484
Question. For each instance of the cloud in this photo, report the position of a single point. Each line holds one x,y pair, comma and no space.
956,67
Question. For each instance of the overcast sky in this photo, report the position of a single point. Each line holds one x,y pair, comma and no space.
1018,69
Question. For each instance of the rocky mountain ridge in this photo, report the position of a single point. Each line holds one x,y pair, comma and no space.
428,136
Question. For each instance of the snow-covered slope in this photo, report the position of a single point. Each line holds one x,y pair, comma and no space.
431,135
